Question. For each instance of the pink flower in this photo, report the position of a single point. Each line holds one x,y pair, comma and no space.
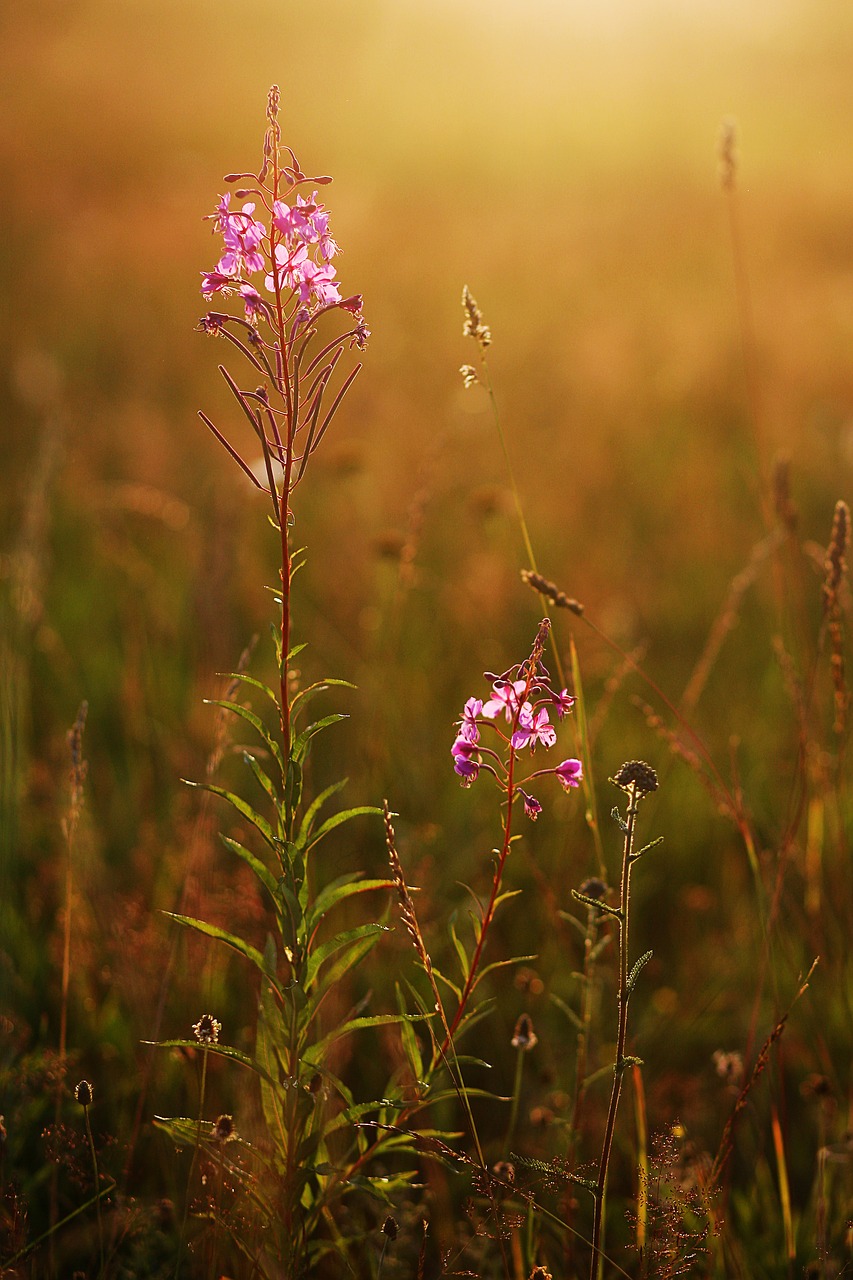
468,724
215,282
290,222
466,760
252,301
532,807
242,236
570,774
563,702
505,697
319,281
533,728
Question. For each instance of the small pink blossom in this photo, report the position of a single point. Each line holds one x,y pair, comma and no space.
466,760
319,281
533,727
505,697
563,701
252,301
215,282
468,724
532,807
570,774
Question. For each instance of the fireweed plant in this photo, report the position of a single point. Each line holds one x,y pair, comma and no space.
271,1199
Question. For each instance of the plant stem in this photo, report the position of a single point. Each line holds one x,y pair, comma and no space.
622,1034
94,1155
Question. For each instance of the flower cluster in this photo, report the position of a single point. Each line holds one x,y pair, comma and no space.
302,249
523,699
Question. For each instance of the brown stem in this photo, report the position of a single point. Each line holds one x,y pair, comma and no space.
622,1035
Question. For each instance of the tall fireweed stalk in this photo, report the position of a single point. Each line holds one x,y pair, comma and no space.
277,276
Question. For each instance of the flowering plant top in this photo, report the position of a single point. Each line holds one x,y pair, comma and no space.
523,699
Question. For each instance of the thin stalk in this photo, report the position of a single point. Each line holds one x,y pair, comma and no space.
619,1065
196,1148
516,1096
97,1178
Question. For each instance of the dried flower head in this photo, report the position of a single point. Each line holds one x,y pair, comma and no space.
551,592
474,326
594,888
540,1273
390,1227
524,1037
469,376
83,1093
207,1029
223,1130
636,775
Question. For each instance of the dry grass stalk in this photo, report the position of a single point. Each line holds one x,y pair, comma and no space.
551,592
836,570
727,618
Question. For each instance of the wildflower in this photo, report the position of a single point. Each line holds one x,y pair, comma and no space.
563,701
505,697
213,323
524,1037
469,376
83,1093
310,279
207,1029
532,807
390,1227
466,760
468,724
569,774
215,282
534,727
242,236
252,301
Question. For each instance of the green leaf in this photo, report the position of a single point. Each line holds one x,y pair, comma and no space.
331,946
338,819
566,1010
221,1051
255,684
333,973
338,891
502,964
408,1039
314,808
300,746
231,940
262,872
461,953
263,778
304,696
317,1051
246,810
257,724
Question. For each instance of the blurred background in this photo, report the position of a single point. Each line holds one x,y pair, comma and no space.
560,158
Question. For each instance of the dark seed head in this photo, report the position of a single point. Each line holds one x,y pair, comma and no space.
83,1093
638,774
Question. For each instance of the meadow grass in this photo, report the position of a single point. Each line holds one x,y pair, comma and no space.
370,1099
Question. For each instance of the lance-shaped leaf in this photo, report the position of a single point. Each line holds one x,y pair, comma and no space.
221,1051
338,891
237,802
262,872
231,940
332,946
300,746
257,724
